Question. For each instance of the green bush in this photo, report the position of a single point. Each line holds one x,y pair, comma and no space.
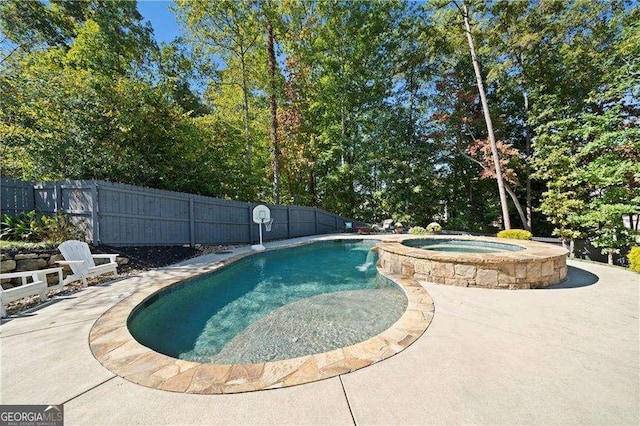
27,226
58,228
515,234
417,230
35,227
634,258
434,227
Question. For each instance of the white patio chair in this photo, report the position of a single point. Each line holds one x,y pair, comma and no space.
78,256
34,288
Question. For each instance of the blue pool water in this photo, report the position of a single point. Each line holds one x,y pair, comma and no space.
461,246
196,319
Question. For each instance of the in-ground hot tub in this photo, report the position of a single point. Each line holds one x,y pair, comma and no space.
475,261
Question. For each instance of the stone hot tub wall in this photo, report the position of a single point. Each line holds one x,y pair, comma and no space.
538,265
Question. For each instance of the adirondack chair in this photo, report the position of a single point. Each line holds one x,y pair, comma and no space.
78,256
36,287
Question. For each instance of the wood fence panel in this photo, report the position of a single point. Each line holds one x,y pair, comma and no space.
126,215
279,227
302,221
16,197
220,221
138,216
45,197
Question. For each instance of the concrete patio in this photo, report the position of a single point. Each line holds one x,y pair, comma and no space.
564,355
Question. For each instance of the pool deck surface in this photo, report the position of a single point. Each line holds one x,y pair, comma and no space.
567,354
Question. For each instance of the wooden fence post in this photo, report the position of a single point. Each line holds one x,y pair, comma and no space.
250,224
95,218
288,222
57,195
192,224
315,216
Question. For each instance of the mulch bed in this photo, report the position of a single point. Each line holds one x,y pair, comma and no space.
144,258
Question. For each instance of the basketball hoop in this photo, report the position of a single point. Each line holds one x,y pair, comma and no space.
262,215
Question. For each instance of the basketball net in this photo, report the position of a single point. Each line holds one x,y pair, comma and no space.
267,225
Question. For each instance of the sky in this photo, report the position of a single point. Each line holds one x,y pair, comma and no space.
165,26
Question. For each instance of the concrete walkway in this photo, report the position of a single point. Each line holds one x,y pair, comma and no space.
564,355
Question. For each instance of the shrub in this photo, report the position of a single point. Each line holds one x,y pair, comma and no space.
34,227
634,258
58,228
417,230
515,234
28,226
434,227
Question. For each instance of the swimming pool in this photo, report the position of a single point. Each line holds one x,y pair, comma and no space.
119,352
272,306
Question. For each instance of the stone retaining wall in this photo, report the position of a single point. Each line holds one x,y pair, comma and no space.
21,262
538,265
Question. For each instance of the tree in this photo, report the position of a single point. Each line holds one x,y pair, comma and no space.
269,15
487,116
230,30
178,68
585,123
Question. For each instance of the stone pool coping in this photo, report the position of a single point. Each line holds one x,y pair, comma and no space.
115,348
538,265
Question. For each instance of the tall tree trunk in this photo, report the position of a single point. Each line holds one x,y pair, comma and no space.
487,118
572,245
343,131
527,129
273,102
516,202
245,108
527,135
411,96
507,188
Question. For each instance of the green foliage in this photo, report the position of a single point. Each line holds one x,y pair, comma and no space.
634,258
58,228
28,226
377,115
417,230
100,116
434,227
35,227
607,230
515,234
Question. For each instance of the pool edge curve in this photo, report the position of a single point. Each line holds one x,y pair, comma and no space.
115,348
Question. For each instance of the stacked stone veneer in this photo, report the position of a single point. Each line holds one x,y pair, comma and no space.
28,262
538,265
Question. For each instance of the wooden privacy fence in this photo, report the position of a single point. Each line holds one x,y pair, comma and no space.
126,215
